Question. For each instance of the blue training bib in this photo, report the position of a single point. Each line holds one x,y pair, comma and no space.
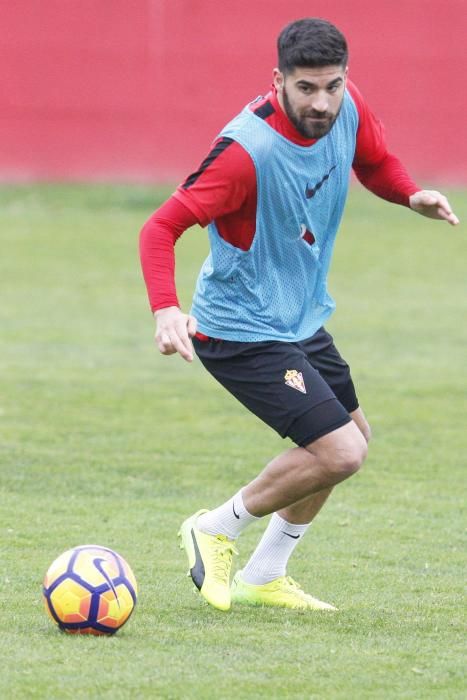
277,289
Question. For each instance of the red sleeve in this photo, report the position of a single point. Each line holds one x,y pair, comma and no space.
156,245
223,184
377,169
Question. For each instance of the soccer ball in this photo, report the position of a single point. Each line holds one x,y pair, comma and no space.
90,590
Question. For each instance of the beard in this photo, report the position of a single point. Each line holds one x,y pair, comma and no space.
302,122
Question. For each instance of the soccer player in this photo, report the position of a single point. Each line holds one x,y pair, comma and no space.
272,192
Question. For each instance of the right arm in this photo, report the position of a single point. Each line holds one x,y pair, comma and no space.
157,240
222,184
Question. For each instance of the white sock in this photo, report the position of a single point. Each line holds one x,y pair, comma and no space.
269,560
229,519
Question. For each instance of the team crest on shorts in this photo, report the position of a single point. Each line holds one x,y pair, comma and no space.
294,378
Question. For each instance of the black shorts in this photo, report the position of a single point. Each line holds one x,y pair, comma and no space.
303,390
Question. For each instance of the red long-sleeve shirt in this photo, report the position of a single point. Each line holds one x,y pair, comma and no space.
223,190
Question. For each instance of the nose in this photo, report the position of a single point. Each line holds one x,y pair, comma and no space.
320,102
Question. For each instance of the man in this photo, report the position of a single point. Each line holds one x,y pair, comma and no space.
272,191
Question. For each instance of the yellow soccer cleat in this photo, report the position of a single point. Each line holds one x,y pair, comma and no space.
283,592
210,561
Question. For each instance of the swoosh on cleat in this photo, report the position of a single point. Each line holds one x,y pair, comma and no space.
197,571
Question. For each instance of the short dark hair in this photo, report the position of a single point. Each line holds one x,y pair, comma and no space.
311,43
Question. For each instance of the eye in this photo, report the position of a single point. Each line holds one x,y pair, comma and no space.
333,89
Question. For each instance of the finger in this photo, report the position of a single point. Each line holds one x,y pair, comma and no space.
182,343
443,202
448,213
431,198
186,328
165,344
444,208
192,326
448,216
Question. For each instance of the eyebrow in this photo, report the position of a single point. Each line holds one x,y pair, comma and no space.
336,81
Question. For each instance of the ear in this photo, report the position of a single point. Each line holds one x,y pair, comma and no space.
278,79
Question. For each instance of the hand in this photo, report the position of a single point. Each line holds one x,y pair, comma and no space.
174,332
434,205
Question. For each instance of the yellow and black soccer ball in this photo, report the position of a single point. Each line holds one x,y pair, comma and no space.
90,590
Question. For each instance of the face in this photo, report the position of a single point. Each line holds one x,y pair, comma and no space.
311,97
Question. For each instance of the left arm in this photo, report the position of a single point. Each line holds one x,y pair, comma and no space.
384,174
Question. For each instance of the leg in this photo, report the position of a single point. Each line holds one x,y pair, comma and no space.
289,478
359,418
305,511
301,472
263,580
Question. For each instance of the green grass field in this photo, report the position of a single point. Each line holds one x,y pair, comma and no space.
103,440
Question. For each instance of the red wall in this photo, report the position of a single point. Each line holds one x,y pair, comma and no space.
137,89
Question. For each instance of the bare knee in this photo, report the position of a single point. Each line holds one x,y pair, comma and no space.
347,458
342,452
353,457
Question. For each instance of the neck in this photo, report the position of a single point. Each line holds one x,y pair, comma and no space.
280,101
